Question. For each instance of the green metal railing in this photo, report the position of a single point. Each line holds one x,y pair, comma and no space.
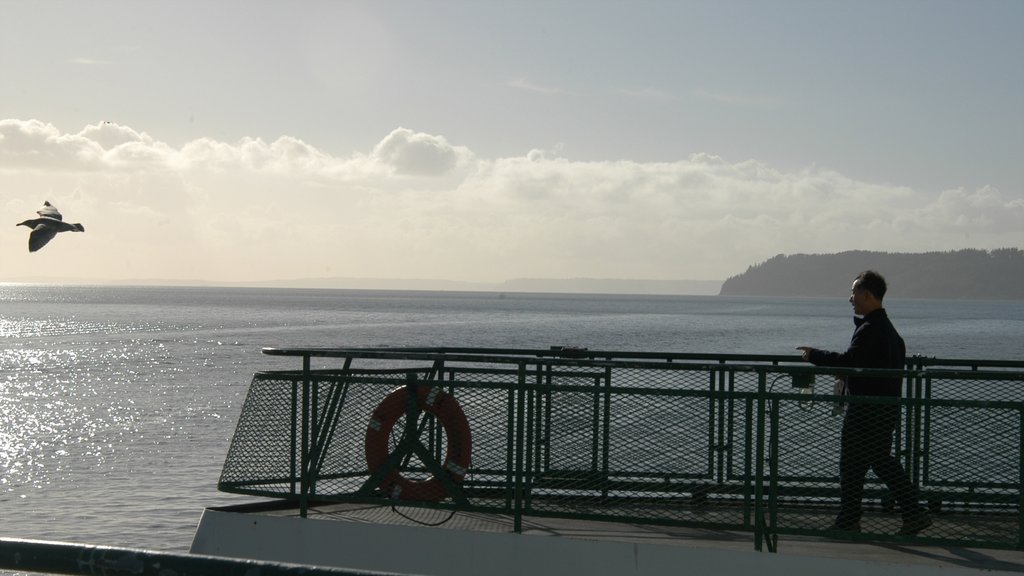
733,442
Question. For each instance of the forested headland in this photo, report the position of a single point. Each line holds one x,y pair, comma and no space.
961,274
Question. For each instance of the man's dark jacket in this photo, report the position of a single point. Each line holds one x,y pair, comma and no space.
875,344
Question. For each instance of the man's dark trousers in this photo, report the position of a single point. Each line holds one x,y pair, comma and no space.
867,444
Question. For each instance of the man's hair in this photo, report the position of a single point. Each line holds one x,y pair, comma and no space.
872,282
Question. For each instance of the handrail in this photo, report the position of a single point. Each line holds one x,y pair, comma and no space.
509,354
512,355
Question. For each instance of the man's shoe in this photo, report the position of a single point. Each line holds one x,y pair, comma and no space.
837,527
912,526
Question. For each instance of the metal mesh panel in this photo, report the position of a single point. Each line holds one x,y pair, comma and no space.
637,444
964,387
654,436
265,429
970,459
488,402
803,463
342,469
968,472
966,446
978,459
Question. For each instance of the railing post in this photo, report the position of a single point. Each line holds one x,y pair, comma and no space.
914,418
606,440
729,449
595,428
1020,478
517,521
759,528
304,459
545,465
293,463
531,436
719,426
711,436
773,477
748,459
922,429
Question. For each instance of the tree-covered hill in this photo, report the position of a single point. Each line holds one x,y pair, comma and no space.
966,274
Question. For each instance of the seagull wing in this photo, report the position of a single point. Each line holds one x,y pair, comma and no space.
50,211
40,235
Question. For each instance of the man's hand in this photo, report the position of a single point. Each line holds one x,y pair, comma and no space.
805,352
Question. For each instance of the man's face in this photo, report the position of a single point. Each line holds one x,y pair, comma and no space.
859,299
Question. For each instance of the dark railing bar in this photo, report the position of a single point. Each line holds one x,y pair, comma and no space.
585,354
70,558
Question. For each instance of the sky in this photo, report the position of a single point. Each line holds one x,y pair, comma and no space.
490,140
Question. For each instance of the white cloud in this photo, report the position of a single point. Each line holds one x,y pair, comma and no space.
110,135
257,210
415,153
35,145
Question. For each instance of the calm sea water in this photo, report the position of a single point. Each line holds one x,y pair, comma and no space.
117,403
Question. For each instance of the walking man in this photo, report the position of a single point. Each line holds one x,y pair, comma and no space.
868,428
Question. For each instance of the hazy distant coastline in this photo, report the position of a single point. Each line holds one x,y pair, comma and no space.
540,285
546,285
961,274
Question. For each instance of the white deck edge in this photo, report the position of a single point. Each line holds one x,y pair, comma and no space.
444,552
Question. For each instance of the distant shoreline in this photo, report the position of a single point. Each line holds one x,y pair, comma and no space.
521,285
958,275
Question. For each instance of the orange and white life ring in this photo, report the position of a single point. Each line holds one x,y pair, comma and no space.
443,406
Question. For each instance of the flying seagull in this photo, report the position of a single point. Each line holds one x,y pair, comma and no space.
46,226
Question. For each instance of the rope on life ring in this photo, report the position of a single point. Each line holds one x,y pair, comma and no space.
446,409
